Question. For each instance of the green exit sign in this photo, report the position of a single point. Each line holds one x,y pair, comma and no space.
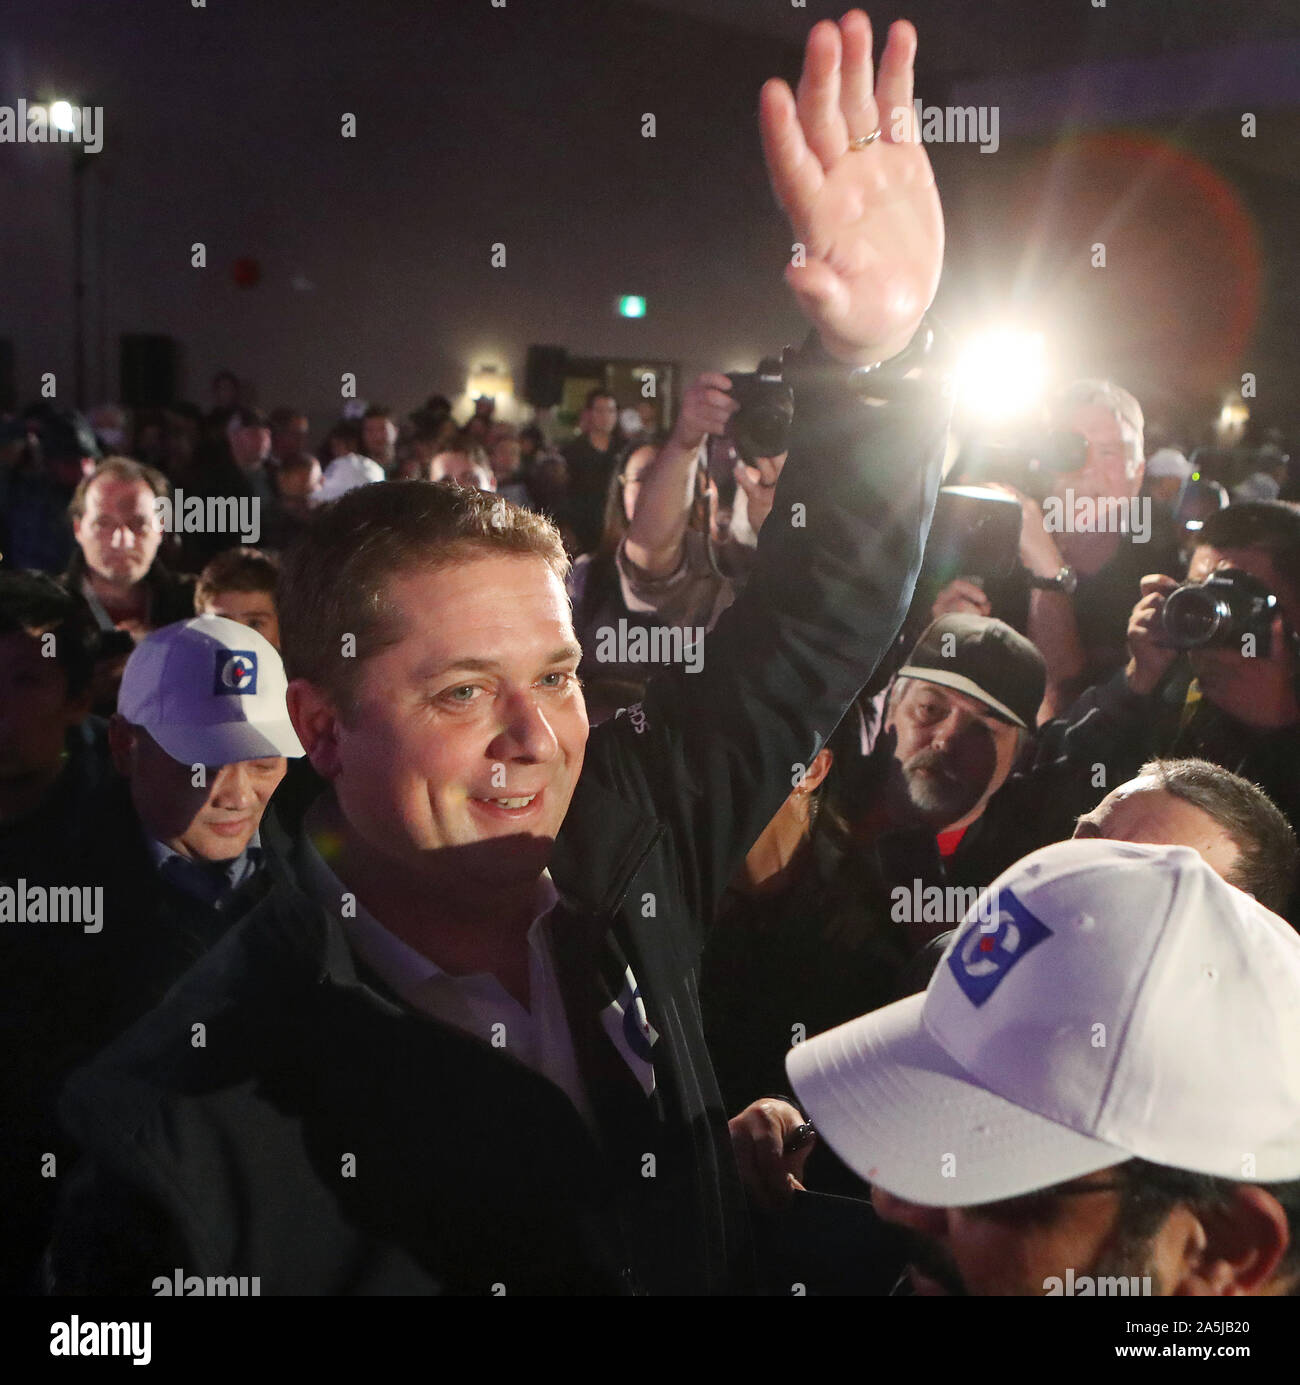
631,305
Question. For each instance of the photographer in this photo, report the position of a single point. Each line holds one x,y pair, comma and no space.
1221,684
1084,545
675,563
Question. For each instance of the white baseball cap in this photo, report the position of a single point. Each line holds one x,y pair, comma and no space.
210,691
1168,461
345,474
1126,1003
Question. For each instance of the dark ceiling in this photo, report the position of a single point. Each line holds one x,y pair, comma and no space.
963,38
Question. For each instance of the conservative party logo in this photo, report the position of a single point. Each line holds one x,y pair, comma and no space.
986,953
236,671
629,1028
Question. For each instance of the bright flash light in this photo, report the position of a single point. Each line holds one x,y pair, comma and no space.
1001,373
61,115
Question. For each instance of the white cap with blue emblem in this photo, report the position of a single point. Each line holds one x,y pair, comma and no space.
1120,1001
210,691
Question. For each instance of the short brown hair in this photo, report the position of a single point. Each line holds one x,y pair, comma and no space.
236,570
334,580
119,469
1265,842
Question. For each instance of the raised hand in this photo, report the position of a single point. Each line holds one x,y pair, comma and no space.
869,218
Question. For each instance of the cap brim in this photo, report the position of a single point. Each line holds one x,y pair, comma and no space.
228,743
903,1115
960,683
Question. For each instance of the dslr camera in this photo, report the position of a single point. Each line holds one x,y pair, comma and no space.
1028,463
760,427
1219,611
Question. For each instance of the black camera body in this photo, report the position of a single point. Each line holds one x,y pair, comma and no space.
1228,605
975,533
760,427
1028,463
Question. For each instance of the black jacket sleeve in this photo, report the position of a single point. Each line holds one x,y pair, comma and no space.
714,752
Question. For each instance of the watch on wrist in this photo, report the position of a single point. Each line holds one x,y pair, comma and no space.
1066,580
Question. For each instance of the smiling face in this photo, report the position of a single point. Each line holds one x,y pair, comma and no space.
467,734
953,754
214,821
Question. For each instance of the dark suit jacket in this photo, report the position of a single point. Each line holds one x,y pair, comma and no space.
281,1115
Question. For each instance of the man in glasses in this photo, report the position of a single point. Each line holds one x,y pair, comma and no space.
1096,1095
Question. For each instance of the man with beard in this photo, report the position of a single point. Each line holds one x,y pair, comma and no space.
1096,1095
926,805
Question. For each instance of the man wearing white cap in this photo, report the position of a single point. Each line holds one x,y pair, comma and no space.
179,847
202,733
1098,1093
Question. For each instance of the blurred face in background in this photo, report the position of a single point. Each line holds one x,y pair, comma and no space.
300,481
462,469
379,437
603,415
254,609
119,533
250,445
290,439
36,713
506,457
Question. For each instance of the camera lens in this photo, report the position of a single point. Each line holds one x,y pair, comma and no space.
1192,617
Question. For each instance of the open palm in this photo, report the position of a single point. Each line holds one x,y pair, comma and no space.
869,219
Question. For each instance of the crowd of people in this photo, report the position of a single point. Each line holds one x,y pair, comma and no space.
966,891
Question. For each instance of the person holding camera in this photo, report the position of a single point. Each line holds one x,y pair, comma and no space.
1085,542
1212,664
675,562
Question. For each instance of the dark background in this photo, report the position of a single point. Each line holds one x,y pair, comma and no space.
522,125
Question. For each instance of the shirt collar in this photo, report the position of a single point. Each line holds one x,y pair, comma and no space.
398,964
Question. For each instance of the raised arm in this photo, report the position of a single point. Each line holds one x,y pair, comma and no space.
717,750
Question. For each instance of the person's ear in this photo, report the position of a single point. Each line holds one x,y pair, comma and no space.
1235,1249
317,722
817,771
121,743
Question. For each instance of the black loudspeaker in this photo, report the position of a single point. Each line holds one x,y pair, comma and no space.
8,390
150,371
544,374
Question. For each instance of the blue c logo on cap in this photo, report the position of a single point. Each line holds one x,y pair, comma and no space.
236,671
981,960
